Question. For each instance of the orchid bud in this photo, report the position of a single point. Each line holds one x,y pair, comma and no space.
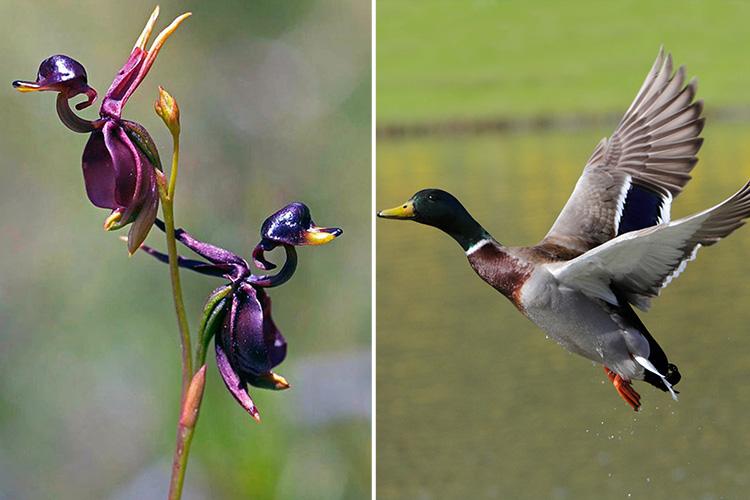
193,398
167,109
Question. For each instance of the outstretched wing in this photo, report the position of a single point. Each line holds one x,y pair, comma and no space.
640,263
630,180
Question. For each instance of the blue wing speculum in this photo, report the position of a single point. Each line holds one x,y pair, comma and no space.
643,208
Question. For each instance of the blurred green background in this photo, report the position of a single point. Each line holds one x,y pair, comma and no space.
440,59
275,100
472,401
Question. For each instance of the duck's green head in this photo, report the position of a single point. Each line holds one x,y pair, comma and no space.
429,206
440,209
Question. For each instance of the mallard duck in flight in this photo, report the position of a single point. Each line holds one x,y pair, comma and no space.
613,245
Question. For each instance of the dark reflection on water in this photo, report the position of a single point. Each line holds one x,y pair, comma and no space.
472,400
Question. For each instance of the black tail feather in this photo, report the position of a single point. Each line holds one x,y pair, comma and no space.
657,355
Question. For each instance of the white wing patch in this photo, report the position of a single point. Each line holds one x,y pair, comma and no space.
682,266
621,197
666,208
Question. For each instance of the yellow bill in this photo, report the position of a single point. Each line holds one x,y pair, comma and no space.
404,211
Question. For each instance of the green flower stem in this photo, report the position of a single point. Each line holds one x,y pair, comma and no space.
167,200
179,464
175,161
184,432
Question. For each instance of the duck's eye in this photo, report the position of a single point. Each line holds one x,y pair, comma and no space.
431,197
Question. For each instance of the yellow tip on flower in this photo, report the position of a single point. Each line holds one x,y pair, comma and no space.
146,33
113,220
162,37
278,382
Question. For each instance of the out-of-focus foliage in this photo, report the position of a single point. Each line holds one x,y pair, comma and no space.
437,60
275,103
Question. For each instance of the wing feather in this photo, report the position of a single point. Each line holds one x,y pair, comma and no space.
640,263
654,146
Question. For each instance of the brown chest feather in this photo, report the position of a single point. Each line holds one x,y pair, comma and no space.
505,272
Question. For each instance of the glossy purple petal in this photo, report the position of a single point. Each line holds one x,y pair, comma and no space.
274,340
119,176
111,167
225,335
116,172
249,336
249,344
244,325
98,172
236,385
127,165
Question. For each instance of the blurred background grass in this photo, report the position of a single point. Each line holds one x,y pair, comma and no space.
275,100
472,402
437,60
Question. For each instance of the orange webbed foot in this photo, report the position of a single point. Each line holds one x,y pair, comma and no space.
624,389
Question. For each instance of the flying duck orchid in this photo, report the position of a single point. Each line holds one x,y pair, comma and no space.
120,160
247,341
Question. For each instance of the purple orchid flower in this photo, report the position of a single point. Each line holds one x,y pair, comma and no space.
120,160
248,343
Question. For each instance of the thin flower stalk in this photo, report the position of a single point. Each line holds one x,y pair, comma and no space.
171,117
185,430
191,396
